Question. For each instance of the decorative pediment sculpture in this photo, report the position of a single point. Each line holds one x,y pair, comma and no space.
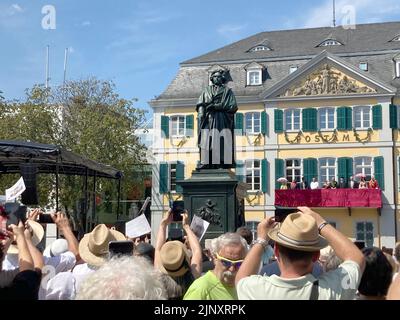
327,81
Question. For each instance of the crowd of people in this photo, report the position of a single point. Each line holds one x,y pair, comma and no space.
332,184
303,257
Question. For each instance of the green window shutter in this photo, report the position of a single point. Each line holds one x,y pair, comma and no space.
165,126
239,123
377,117
264,124
240,170
279,171
180,175
163,178
379,172
345,168
393,116
189,125
305,119
341,118
349,118
264,175
278,117
310,169
312,119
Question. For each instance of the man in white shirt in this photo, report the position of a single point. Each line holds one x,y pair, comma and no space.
298,241
314,184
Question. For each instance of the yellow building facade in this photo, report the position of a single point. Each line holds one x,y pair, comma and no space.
329,115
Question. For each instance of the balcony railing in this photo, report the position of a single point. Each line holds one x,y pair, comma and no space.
370,198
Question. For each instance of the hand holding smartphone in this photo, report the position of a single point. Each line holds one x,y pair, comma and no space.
178,208
117,248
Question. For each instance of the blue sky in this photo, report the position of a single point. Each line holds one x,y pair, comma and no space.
139,44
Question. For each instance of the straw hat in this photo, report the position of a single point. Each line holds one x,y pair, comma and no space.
93,248
300,232
37,236
174,258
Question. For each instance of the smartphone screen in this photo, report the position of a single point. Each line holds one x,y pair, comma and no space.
178,207
117,248
45,218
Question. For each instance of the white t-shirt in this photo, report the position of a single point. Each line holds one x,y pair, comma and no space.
65,285
314,185
339,284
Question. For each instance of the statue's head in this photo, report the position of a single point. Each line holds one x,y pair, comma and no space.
218,77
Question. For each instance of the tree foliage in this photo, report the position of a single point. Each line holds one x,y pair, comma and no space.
86,117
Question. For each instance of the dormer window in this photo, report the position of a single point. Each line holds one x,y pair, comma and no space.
292,69
363,66
260,48
330,42
396,38
397,66
254,77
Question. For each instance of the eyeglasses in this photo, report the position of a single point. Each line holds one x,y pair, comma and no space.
228,263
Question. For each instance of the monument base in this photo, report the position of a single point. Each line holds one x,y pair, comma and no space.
216,196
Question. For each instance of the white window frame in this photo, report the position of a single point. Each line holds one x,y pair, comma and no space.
325,109
397,68
260,48
293,69
326,168
365,231
293,169
252,225
363,64
362,108
172,172
176,134
253,119
259,72
330,42
291,128
251,172
363,166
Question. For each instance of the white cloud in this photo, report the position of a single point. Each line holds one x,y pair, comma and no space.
365,11
16,7
12,10
86,24
231,31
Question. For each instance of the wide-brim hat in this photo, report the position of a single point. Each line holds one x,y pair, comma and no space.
174,258
93,248
37,236
300,232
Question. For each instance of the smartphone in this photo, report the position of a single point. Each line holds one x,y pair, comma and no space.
117,248
282,212
45,218
178,207
15,213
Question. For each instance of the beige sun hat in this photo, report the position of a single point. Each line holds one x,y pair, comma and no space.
300,232
93,248
37,236
174,258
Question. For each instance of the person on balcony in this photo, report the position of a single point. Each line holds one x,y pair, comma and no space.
353,184
303,184
363,184
342,183
284,186
373,184
334,183
293,185
326,185
314,184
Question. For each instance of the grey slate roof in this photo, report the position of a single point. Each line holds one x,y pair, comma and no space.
286,43
367,43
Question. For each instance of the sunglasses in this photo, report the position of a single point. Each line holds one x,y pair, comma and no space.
228,263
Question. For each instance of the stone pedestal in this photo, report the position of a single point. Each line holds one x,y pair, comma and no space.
216,196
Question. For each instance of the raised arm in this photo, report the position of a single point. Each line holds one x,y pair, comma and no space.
161,237
196,263
36,255
343,247
251,263
64,226
25,261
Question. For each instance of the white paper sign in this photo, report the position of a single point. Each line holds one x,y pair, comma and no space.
137,227
199,226
16,190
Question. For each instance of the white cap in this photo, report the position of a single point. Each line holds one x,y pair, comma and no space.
56,248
